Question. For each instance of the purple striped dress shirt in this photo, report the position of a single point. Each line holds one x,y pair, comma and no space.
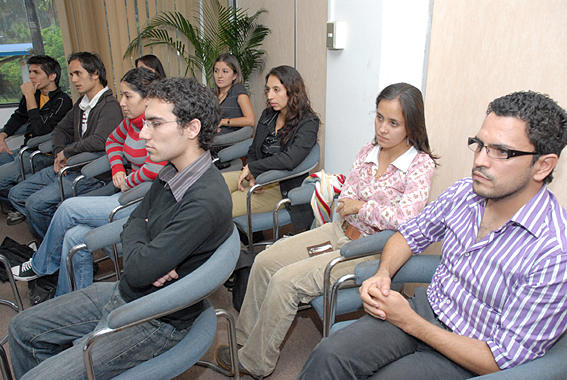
510,288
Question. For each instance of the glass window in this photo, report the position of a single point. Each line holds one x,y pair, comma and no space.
14,29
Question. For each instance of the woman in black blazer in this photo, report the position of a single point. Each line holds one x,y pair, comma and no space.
286,133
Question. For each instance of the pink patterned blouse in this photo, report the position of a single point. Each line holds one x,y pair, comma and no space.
395,197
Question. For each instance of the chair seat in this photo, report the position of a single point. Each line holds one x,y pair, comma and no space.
176,360
262,221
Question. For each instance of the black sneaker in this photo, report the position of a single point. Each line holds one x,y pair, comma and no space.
15,217
24,272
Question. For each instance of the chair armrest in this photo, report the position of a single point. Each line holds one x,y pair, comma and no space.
231,138
135,193
96,167
104,236
45,147
305,166
83,158
301,195
182,293
36,141
367,244
551,366
419,268
235,151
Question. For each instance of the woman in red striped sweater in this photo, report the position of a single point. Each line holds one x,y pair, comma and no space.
76,216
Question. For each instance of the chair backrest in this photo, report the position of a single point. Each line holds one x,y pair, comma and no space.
305,166
187,291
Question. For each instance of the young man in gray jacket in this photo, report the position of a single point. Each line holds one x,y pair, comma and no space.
84,129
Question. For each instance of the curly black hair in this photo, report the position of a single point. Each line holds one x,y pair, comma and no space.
191,100
546,121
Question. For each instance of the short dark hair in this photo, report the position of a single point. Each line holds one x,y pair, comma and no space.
48,65
92,63
546,121
411,101
191,100
139,80
152,61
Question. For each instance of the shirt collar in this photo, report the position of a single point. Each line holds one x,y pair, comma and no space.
179,182
88,104
402,163
533,214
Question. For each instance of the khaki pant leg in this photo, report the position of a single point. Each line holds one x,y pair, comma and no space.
281,277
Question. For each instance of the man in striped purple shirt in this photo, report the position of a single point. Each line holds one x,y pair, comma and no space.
498,298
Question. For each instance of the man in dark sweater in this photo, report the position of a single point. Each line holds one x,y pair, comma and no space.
42,106
84,129
184,218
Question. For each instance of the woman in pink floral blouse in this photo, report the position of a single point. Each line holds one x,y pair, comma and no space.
388,184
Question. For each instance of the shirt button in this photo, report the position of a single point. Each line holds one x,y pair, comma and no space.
467,254
455,279
447,301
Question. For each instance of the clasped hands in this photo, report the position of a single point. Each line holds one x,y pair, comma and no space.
382,303
246,175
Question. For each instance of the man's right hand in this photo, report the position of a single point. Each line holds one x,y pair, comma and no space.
3,145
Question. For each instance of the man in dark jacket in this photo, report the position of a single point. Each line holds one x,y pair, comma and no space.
84,129
42,106
184,218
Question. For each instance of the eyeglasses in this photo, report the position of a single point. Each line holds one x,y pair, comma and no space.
496,152
154,124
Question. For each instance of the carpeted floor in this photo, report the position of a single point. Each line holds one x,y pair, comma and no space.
304,334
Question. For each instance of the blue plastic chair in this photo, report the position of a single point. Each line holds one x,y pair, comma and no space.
112,238
189,290
250,222
334,301
420,269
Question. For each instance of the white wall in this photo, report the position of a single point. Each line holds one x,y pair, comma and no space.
385,44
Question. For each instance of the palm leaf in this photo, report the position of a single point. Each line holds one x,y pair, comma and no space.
219,30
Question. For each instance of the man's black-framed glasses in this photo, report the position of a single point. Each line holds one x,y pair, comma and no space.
496,152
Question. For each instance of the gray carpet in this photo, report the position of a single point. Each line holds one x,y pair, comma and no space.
304,334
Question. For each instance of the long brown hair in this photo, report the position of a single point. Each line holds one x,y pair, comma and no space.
298,104
231,62
411,101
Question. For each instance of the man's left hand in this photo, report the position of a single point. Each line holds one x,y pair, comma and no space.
349,207
393,308
60,162
172,275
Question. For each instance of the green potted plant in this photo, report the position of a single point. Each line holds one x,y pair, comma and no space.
218,30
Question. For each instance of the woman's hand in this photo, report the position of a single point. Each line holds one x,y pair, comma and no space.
244,175
349,207
118,180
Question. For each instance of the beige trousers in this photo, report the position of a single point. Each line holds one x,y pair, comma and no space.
264,202
281,277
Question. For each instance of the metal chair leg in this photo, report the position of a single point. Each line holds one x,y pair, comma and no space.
231,331
17,306
4,367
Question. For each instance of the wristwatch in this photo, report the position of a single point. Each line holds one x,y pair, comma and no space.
228,122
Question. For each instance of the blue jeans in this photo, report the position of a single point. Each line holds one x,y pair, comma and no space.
10,172
38,196
72,220
39,335
374,349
